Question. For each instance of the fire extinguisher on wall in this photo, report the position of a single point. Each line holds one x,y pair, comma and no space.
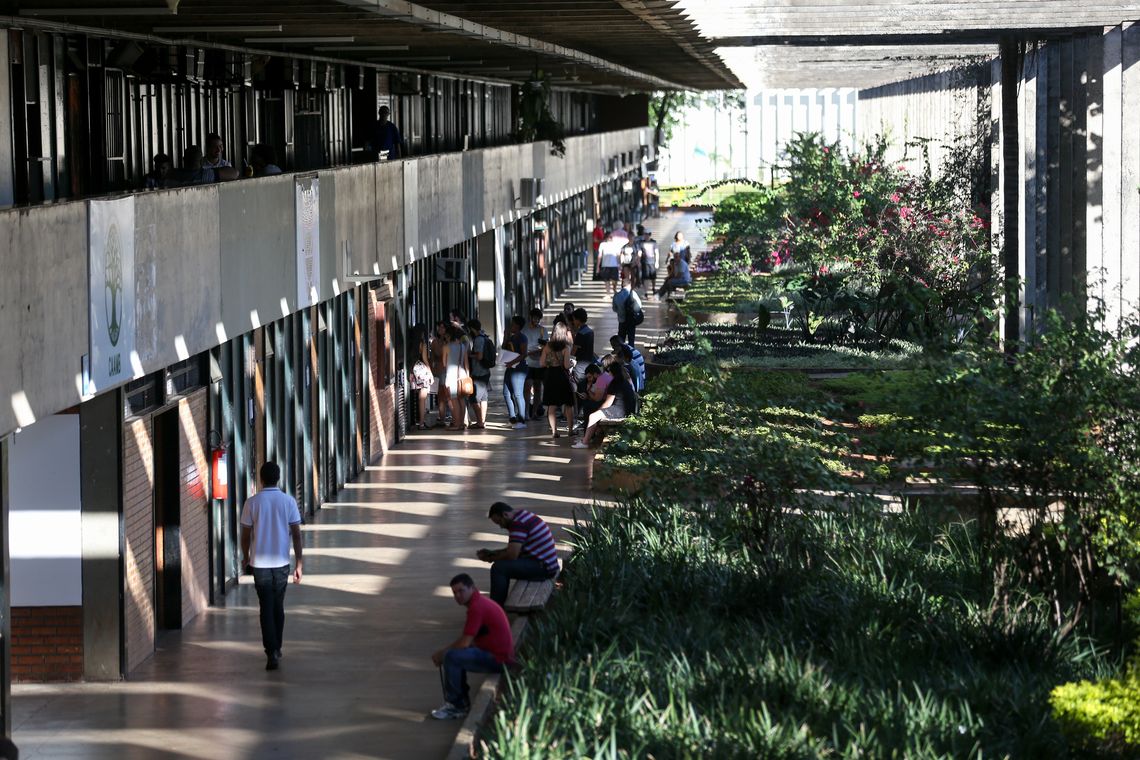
219,473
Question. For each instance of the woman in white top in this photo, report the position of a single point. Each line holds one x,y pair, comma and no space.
458,365
680,247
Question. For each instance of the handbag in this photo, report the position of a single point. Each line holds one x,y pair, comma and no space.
466,386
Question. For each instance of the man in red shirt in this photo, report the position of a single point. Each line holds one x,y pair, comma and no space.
485,646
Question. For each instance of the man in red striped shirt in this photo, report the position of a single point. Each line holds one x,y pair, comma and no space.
530,554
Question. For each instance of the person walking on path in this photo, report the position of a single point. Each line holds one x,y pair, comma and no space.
530,553
485,646
627,305
268,520
514,377
557,390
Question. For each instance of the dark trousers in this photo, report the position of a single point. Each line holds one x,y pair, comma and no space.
626,331
271,583
457,663
523,568
672,284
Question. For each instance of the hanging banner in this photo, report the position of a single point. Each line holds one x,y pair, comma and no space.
308,203
111,291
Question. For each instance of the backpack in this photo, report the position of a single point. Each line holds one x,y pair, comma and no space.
488,358
632,315
626,256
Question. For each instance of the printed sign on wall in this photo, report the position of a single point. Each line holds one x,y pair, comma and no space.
111,290
308,241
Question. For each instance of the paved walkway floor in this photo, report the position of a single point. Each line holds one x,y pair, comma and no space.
356,680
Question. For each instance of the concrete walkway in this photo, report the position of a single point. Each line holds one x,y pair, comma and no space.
356,680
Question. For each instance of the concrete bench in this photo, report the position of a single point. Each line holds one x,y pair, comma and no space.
529,596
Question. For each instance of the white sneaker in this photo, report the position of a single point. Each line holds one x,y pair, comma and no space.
580,445
520,426
448,712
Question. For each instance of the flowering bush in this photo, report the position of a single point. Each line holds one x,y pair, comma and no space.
888,254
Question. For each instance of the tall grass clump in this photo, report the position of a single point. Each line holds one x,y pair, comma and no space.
841,635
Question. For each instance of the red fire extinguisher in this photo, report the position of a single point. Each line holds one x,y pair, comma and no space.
219,473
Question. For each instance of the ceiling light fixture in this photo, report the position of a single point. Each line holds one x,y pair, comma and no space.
300,40
262,28
362,48
96,12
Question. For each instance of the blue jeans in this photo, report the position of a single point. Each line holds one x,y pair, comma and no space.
672,284
523,568
514,386
271,583
457,663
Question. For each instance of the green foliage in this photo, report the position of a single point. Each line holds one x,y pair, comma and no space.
854,239
1102,719
846,635
1051,439
535,119
767,346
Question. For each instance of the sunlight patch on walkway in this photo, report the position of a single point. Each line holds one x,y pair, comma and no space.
556,497
395,530
410,451
551,460
419,508
442,488
458,470
469,563
352,583
538,476
380,555
491,538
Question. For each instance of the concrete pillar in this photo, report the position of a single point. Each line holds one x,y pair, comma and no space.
1094,166
1110,218
1130,168
5,597
7,177
100,461
1026,265
485,288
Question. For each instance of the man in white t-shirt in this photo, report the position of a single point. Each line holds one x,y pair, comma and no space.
535,339
609,257
269,520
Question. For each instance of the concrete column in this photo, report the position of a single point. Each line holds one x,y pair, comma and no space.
7,177
1026,268
1130,168
5,597
100,462
1110,218
1094,166
485,257
1080,82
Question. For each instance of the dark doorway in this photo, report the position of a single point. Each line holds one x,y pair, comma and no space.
167,522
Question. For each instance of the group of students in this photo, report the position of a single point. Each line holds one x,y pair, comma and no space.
619,256
544,373
200,168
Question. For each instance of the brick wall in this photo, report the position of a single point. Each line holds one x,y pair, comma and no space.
138,526
47,644
193,468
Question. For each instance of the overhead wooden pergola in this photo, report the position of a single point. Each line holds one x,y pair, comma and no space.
616,45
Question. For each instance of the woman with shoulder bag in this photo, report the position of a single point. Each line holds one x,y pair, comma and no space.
458,377
557,390
439,369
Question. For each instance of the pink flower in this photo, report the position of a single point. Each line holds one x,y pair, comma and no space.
895,197
905,212
827,150
856,194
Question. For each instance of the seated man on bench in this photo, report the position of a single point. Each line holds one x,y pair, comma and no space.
530,553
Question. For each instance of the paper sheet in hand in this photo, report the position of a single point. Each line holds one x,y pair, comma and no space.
507,356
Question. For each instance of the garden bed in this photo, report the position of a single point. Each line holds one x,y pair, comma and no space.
774,346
